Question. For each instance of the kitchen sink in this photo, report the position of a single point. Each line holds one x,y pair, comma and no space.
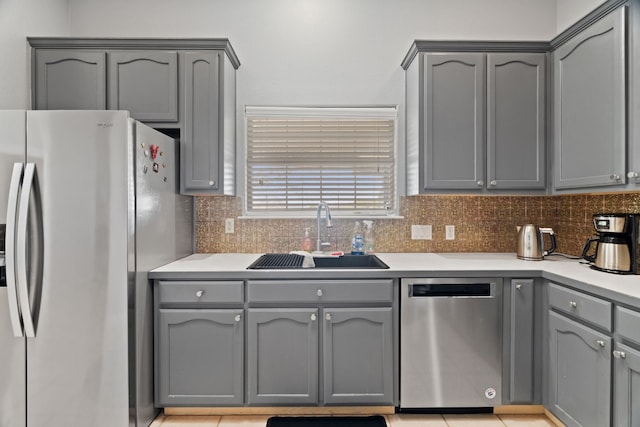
350,261
293,261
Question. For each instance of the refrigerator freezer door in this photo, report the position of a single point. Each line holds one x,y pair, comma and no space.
77,363
12,349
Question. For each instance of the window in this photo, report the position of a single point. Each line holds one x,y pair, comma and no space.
297,157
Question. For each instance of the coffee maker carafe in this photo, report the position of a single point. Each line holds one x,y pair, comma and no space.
617,243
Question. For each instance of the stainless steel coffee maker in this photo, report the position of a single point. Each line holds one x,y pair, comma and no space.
617,243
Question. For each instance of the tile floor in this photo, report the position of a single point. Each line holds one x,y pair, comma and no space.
404,420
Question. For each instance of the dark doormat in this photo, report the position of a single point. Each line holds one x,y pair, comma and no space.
374,421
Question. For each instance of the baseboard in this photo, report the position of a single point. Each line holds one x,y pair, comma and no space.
519,410
553,418
283,410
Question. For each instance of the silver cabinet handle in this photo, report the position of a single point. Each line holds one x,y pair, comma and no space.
319,292
328,316
573,304
21,250
480,183
313,317
614,177
238,318
493,183
10,261
619,354
600,343
519,286
633,175
212,183
199,293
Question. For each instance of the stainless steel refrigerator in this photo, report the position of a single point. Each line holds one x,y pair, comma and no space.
88,205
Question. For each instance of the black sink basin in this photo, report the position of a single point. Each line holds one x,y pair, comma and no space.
350,261
289,261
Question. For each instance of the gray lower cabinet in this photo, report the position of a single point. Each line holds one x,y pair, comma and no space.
626,392
70,80
200,357
199,343
283,365
207,150
521,339
145,83
282,356
590,106
579,373
626,368
358,355
321,342
475,119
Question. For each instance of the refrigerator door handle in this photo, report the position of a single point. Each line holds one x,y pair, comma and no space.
21,250
10,250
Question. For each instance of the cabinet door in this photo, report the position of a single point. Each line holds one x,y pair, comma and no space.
200,357
516,120
580,373
358,356
521,342
201,140
626,394
454,122
589,106
145,84
282,364
70,80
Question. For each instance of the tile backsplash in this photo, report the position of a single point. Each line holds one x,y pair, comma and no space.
482,223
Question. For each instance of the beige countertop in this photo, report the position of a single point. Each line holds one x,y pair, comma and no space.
620,288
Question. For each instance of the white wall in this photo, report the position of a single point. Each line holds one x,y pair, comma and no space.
19,19
570,11
318,52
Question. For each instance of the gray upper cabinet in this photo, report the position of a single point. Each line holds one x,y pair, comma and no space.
145,84
590,106
454,120
187,85
70,80
208,144
516,125
475,116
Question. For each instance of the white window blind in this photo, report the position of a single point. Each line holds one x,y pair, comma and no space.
343,156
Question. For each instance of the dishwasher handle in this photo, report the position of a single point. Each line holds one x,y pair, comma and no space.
451,290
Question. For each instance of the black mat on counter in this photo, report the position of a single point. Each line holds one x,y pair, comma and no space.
374,421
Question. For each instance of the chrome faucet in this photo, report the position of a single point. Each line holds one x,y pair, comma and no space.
319,242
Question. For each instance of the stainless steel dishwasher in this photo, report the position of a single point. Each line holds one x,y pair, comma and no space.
451,343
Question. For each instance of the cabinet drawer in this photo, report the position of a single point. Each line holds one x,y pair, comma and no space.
200,292
627,324
585,307
315,291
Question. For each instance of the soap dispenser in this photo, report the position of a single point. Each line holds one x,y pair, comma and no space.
357,242
369,242
307,243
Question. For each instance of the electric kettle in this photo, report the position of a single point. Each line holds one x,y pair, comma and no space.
531,242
